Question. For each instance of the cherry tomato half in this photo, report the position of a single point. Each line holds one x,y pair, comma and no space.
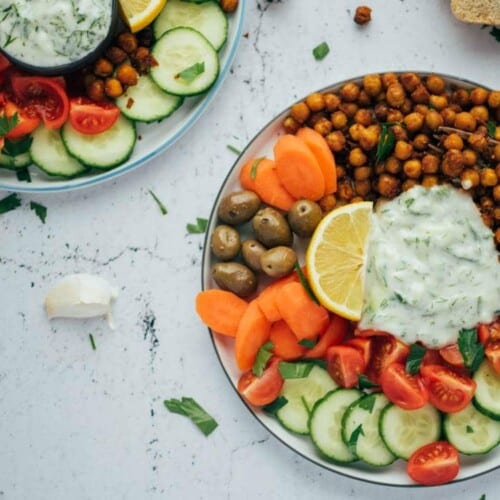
344,364
403,389
449,391
363,344
452,355
334,333
41,97
492,352
385,349
4,63
260,391
434,463
25,124
488,331
88,117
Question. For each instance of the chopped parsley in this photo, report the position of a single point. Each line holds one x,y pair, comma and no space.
9,203
39,209
353,439
470,348
365,383
199,227
161,206
253,170
190,73
276,405
264,354
188,407
321,51
417,353
295,370
491,127
385,143
92,341
305,283
309,343
234,149
8,123
367,403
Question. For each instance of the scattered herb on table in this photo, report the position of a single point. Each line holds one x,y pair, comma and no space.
234,149
40,210
264,354
495,33
92,342
470,348
9,203
321,51
188,407
415,357
190,73
161,206
23,175
199,227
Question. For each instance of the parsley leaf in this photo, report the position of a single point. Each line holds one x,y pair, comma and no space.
191,409
23,174
470,348
199,227
161,206
367,403
276,405
309,343
469,429
264,354
92,342
365,383
253,170
321,51
417,353
40,210
295,370
491,127
385,143
495,33
305,283
234,149
190,73
8,123
353,439
9,203
18,147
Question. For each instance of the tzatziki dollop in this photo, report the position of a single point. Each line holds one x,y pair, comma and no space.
432,268
47,33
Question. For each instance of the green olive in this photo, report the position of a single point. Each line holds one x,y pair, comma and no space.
271,228
251,250
238,207
304,216
235,277
225,242
278,261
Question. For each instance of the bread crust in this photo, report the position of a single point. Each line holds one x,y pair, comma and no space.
477,11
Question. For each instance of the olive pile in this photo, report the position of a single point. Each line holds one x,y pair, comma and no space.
269,250
391,131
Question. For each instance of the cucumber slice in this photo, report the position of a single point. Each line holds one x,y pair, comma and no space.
302,394
208,18
369,446
178,50
487,396
146,102
325,424
404,431
105,150
471,432
15,162
49,154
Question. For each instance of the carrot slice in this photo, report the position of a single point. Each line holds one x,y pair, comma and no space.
306,318
269,188
335,332
248,174
323,154
285,344
253,331
267,298
220,310
297,168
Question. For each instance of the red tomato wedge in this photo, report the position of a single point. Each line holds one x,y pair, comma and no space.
260,391
4,63
25,124
452,355
334,333
344,364
449,391
41,97
434,463
385,349
88,117
492,352
488,331
363,344
403,389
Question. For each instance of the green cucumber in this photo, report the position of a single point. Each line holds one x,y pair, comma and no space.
15,162
487,395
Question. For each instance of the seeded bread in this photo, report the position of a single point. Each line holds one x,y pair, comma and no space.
477,11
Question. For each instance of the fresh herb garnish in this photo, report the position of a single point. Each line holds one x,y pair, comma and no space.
305,283
276,405
294,370
491,127
161,206
40,210
417,353
385,143
365,383
253,170
23,175
353,438
8,123
469,429
190,73
470,348
367,403
309,343
264,354
234,149
9,203
15,148
483,497
305,405
495,33
321,51
92,342
191,409
199,227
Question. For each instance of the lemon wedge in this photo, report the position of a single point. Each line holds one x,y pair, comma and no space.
138,14
336,257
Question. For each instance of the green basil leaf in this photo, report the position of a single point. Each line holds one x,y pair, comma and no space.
417,353
40,210
470,348
294,370
199,227
321,51
9,203
188,407
264,354
190,73
353,438
277,404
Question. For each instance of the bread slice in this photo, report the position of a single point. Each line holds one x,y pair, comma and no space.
477,11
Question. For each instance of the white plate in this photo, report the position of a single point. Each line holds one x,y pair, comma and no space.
393,475
155,137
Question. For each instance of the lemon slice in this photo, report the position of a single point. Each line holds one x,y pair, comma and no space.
336,258
138,14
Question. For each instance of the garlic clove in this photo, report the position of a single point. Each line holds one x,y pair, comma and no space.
81,296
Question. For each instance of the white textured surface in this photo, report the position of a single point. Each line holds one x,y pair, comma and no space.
82,424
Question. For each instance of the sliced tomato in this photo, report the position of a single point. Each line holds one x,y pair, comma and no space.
403,389
4,63
25,124
492,352
449,391
41,97
385,350
260,391
487,331
89,117
344,364
432,357
334,333
370,332
452,355
434,463
363,344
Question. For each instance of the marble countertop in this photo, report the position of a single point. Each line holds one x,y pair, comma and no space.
78,423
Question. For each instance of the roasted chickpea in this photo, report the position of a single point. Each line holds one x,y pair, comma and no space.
142,60
487,219
363,117
407,106
393,165
449,115
379,168
478,142
388,186
469,178
430,164
470,157
300,112
400,133
420,95
363,15
479,96
336,141
113,87
323,126
95,90
480,113
486,203
362,188
408,184
339,120
394,115
410,81
103,67
452,163
349,108
497,235
433,119
496,213
364,99
362,173
423,109
340,171
372,84
460,97
453,141
345,190
412,168
327,203
357,157
414,122
420,142
430,180
350,92
116,55
465,121
395,95
388,79
315,118
497,170
127,74
438,102
368,138
496,152
488,177
332,102
403,150
290,125
355,131
381,111
496,193
435,84
127,41
315,101
494,99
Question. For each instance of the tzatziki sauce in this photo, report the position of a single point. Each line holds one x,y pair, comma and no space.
432,268
47,33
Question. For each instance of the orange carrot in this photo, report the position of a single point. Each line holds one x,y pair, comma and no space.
306,318
323,154
253,331
269,188
267,298
297,168
220,310
285,344
335,332
248,174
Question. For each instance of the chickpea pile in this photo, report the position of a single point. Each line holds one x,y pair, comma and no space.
120,66
439,133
